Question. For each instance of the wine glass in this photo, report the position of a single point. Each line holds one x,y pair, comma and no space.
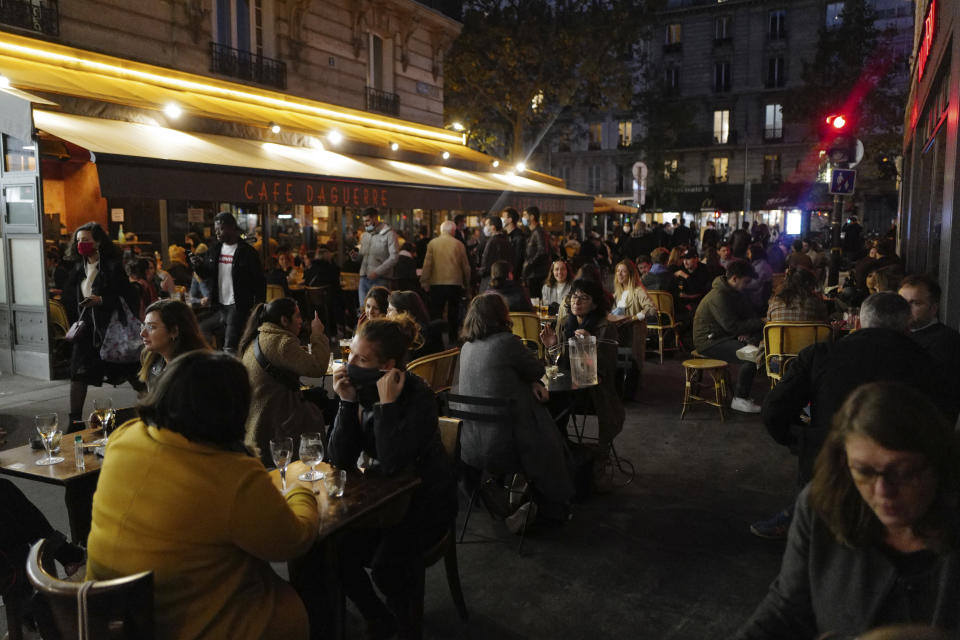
102,417
311,453
282,451
553,356
48,427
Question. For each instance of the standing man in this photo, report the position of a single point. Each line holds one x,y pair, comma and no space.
379,251
511,221
235,277
446,276
496,248
536,266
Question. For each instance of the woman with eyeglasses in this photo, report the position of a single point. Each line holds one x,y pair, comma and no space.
874,539
587,316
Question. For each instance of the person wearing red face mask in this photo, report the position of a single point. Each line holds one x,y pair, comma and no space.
92,293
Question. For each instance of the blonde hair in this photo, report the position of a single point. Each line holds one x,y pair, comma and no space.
633,281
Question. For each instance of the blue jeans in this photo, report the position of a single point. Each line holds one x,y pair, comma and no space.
726,350
366,284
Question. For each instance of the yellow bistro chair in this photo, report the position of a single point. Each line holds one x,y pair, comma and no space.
666,322
437,369
784,340
527,327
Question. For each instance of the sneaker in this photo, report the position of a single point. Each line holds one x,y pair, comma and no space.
521,519
775,528
746,405
494,498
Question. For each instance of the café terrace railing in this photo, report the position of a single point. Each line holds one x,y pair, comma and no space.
41,17
247,66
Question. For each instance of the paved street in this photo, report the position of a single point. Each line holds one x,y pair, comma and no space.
668,556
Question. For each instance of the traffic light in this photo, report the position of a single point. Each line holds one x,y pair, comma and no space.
838,138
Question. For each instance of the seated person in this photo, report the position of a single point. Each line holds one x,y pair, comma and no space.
693,279
178,268
275,274
587,316
632,302
391,416
169,329
375,305
502,282
322,271
277,406
431,332
140,272
660,277
874,537
210,529
797,300
494,363
557,285
725,322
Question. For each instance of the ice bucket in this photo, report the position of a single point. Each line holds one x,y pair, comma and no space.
583,360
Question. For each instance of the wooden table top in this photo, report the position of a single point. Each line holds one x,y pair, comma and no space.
368,500
21,462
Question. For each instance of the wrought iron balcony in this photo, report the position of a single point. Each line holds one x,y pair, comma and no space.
42,17
383,101
247,66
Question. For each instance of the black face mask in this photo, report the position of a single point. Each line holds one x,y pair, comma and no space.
364,380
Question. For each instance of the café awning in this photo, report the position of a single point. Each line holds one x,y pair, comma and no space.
148,155
139,160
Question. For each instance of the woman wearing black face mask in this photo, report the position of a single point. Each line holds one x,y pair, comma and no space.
390,415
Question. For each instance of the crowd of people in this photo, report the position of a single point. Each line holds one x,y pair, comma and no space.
870,415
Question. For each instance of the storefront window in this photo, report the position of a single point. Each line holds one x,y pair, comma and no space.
3,273
18,155
21,204
28,272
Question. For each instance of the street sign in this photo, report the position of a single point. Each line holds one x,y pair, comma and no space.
842,181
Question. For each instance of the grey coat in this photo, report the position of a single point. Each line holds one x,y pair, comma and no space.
500,366
825,586
380,252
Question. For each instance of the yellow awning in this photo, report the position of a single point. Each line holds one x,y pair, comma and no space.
156,161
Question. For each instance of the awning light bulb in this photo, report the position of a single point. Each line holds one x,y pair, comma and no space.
335,137
173,110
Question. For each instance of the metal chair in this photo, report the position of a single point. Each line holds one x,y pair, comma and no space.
446,548
784,340
106,609
666,321
437,369
526,326
693,371
274,292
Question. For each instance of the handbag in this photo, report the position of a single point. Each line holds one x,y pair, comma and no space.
121,340
78,329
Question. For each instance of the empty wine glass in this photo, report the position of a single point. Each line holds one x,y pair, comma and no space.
48,426
553,356
311,453
282,451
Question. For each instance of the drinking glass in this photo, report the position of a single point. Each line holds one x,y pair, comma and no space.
282,452
553,357
336,482
102,417
311,453
48,427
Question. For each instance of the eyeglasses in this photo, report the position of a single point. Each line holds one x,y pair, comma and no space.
907,477
581,298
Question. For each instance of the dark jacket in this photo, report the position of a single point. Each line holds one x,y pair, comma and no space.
536,264
825,586
518,242
401,436
661,281
496,248
699,282
249,283
943,345
824,374
111,283
516,296
723,313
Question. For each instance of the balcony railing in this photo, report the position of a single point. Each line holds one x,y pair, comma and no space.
42,17
673,47
247,66
383,101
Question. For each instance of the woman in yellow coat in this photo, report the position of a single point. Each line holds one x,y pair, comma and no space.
179,495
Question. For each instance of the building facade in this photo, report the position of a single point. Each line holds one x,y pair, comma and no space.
929,233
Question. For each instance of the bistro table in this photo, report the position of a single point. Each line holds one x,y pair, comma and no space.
20,462
369,501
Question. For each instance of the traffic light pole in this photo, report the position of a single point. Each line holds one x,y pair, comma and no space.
836,250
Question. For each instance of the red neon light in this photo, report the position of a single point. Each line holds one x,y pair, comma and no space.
928,27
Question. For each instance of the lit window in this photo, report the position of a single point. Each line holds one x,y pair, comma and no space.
596,136
720,169
771,167
625,133
773,122
670,168
721,126
834,15
674,32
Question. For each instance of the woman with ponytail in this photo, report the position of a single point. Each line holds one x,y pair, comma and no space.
391,416
274,358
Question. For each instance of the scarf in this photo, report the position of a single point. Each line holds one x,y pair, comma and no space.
591,323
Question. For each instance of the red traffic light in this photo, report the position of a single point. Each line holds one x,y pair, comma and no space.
838,122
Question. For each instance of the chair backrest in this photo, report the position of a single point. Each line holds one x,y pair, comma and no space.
450,436
789,338
274,292
437,368
58,315
349,281
107,609
480,409
663,300
526,326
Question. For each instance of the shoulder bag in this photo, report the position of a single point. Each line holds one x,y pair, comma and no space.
121,340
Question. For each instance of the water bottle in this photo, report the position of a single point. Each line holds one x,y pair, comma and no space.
78,453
